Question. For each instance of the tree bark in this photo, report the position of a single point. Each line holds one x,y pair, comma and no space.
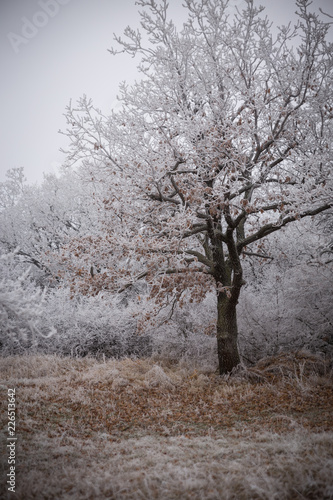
227,332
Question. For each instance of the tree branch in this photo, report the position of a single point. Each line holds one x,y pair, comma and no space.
273,227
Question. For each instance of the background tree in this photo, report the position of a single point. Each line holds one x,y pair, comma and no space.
12,188
36,221
224,141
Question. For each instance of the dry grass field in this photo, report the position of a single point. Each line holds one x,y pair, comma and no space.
148,429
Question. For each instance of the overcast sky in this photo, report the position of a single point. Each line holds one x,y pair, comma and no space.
53,54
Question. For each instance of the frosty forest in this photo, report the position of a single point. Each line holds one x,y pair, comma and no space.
192,224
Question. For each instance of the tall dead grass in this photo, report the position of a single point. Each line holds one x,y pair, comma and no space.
63,454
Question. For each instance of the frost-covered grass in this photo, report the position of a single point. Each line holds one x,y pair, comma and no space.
151,429
232,466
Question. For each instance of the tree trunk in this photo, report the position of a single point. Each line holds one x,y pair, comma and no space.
227,332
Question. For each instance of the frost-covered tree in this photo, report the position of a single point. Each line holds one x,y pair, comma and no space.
37,220
12,188
225,140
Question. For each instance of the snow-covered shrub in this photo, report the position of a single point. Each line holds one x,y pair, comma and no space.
291,311
21,307
107,325
288,306
32,319
53,321
93,326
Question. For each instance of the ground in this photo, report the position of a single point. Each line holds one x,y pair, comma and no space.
149,429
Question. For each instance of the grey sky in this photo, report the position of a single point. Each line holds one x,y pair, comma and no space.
65,57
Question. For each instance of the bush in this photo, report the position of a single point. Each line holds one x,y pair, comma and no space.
21,308
290,311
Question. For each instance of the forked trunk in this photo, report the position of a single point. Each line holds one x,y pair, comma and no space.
227,332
